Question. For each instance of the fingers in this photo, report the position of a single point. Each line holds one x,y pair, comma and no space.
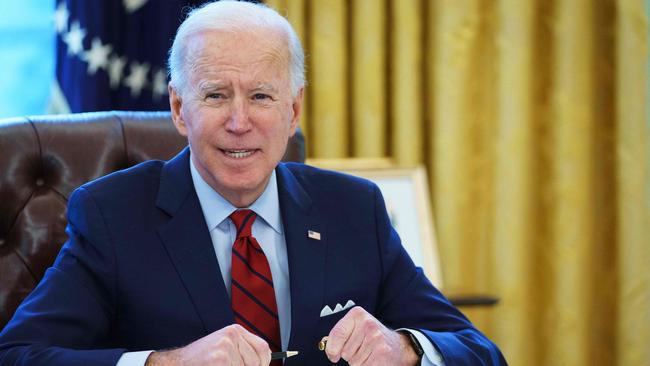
363,352
232,345
362,356
351,346
224,353
258,347
247,353
341,332
360,339
246,348
227,346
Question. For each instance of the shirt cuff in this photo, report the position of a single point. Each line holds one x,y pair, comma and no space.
431,355
135,358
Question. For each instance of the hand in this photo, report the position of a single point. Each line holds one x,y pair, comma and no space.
232,345
360,339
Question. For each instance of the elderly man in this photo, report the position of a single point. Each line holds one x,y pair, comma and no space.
222,255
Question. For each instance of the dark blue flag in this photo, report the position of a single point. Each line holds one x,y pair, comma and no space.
111,54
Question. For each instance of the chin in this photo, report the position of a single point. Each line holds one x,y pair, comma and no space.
245,183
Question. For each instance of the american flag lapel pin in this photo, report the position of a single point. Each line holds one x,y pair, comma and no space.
313,234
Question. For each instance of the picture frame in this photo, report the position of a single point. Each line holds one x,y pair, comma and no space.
406,194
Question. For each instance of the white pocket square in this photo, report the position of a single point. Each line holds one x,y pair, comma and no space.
338,308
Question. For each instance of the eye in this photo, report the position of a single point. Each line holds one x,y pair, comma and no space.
215,96
261,96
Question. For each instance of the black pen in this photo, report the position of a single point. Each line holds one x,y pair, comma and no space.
281,355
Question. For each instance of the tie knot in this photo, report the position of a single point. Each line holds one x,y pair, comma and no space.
243,220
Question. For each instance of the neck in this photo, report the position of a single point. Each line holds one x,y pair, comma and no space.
239,199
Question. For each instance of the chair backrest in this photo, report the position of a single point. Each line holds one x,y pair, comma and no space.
43,159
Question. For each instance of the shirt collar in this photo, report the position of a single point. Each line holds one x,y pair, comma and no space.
216,209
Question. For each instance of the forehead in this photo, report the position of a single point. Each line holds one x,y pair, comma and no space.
248,52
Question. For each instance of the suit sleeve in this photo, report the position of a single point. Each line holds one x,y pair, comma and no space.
67,318
409,300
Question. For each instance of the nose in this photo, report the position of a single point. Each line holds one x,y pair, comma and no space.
239,120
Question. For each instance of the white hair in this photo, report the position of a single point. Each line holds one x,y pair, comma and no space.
233,16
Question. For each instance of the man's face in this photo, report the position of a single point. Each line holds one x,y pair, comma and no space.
237,109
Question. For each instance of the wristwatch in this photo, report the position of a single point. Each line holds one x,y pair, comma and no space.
414,342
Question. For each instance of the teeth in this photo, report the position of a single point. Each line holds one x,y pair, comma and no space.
238,154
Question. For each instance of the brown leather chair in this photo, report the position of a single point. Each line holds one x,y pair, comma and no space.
43,159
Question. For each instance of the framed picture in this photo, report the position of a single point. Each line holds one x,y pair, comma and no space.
406,194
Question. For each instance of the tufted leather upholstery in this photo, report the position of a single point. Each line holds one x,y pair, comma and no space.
43,159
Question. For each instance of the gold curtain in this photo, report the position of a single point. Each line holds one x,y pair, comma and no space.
532,119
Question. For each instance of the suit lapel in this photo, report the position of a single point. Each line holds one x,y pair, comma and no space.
188,243
306,261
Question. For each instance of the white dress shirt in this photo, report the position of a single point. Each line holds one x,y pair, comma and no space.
269,232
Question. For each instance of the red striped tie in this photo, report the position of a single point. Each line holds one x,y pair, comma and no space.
253,298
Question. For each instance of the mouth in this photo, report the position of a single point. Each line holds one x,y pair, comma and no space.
238,154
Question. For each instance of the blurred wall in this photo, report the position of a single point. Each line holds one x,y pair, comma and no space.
27,54
532,119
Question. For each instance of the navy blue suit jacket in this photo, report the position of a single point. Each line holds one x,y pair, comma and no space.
139,272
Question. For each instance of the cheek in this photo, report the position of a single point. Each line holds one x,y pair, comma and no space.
203,123
279,135
277,121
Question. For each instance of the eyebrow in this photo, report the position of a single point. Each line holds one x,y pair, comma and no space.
210,85
265,87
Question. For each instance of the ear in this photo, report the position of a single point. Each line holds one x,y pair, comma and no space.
297,110
176,106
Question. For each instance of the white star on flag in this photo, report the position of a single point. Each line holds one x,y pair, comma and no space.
137,79
133,5
115,68
159,84
61,16
74,39
97,56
